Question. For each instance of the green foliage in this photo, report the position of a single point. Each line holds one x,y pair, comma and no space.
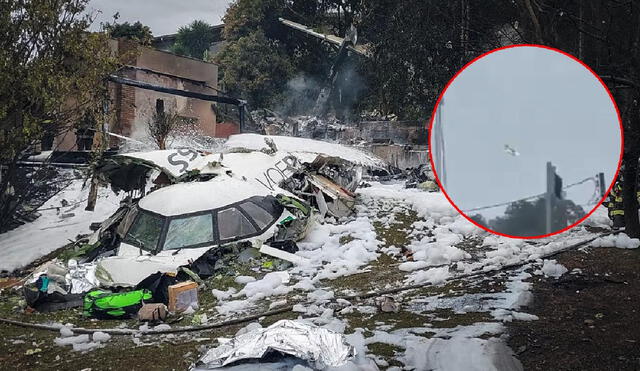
194,40
524,218
418,46
51,74
132,31
246,16
255,24
40,75
256,68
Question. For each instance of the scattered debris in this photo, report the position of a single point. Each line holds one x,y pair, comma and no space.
388,304
153,312
183,296
320,347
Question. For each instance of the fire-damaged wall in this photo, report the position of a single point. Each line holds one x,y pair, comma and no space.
402,144
169,70
401,156
131,109
392,132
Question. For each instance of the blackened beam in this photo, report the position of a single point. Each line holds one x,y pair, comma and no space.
186,79
179,92
241,104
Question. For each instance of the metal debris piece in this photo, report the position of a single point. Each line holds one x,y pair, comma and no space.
318,346
388,304
293,258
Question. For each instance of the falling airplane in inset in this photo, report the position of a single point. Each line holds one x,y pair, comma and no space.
510,150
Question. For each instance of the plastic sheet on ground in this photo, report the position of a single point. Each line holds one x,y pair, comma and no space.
320,347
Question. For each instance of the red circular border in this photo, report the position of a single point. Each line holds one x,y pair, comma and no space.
433,115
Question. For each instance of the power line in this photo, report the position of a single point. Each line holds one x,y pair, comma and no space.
505,203
529,197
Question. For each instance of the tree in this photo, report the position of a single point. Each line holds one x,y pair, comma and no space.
194,40
478,218
51,73
418,45
528,218
307,59
132,31
255,68
605,34
163,125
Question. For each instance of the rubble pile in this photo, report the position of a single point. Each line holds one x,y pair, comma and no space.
192,217
314,127
193,214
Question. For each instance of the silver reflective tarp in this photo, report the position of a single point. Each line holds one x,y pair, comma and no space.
318,346
81,277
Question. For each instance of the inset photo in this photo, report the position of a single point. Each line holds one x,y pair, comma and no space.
525,141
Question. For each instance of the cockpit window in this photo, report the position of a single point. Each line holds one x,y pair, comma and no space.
232,224
192,230
259,215
249,218
145,231
269,203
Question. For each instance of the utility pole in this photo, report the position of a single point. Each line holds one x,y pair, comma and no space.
438,146
603,190
551,180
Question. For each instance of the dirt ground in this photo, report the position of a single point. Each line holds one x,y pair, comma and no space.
589,320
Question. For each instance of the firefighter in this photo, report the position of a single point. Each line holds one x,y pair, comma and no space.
615,205
614,202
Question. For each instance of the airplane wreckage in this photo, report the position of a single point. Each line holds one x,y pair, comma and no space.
187,212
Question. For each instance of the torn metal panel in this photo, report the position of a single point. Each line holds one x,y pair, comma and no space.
320,347
341,201
344,173
132,264
321,203
130,171
111,222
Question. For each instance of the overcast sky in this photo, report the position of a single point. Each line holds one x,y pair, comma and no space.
542,103
162,16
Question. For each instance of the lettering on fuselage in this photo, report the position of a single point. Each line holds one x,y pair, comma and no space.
179,158
280,172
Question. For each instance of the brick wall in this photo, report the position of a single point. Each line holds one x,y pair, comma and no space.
225,129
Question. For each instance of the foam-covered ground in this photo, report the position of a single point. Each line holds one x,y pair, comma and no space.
397,237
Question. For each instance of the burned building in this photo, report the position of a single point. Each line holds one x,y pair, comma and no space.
131,108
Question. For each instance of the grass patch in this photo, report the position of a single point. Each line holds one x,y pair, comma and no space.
400,319
346,239
381,272
384,350
446,318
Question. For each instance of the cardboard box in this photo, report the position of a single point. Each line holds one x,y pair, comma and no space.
182,296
